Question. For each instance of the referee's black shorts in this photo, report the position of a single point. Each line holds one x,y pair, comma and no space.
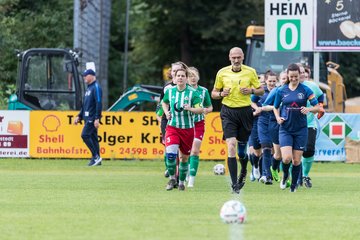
237,122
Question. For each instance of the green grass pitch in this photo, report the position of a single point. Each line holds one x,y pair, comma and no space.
65,199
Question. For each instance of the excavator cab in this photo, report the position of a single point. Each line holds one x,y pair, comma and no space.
48,79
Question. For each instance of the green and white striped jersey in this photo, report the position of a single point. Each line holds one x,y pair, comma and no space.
205,102
176,99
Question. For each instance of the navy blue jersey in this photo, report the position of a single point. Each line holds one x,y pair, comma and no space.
291,102
258,104
273,125
92,104
270,101
259,100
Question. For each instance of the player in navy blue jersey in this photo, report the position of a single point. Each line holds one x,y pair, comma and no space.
290,111
274,128
263,129
254,150
254,142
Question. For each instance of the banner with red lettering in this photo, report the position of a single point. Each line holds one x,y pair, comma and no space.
14,133
122,135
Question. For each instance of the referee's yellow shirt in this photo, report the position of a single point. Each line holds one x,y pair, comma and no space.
246,78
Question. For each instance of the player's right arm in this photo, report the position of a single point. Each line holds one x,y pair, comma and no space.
166,105
276,110
167,112
269,101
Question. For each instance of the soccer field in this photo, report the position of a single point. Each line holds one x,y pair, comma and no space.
65,199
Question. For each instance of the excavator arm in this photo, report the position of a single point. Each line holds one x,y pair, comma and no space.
136,96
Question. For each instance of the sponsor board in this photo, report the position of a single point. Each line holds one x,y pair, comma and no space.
333,129
14,134
122,135
136,135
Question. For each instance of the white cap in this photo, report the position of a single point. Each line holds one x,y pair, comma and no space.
90,65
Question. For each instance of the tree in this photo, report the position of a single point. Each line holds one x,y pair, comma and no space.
199,33
29,24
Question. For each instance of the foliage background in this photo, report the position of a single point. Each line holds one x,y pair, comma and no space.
200,33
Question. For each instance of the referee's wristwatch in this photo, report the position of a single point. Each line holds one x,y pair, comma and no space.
252,91
220,94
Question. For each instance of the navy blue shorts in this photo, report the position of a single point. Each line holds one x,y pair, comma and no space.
254,137
263,132
274,131
296,140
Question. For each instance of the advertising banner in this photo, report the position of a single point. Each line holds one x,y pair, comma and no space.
122,135
333,130
14,134
288,25
136,135
337,25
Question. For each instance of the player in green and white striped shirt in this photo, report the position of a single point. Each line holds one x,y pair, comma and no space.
199,121
159,111
180,103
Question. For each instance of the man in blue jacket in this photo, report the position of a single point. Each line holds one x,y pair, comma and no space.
91,114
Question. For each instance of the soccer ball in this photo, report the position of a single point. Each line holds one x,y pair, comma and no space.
219,169
233,212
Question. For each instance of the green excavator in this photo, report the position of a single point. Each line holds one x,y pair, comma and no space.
49,79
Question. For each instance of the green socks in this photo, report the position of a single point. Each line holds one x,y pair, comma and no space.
194,165
165,160
306,165
183,168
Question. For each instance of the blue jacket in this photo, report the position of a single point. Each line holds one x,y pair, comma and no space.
92,103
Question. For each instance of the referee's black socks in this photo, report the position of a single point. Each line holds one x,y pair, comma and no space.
232,165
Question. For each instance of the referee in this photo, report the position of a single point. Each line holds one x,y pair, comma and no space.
234,84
